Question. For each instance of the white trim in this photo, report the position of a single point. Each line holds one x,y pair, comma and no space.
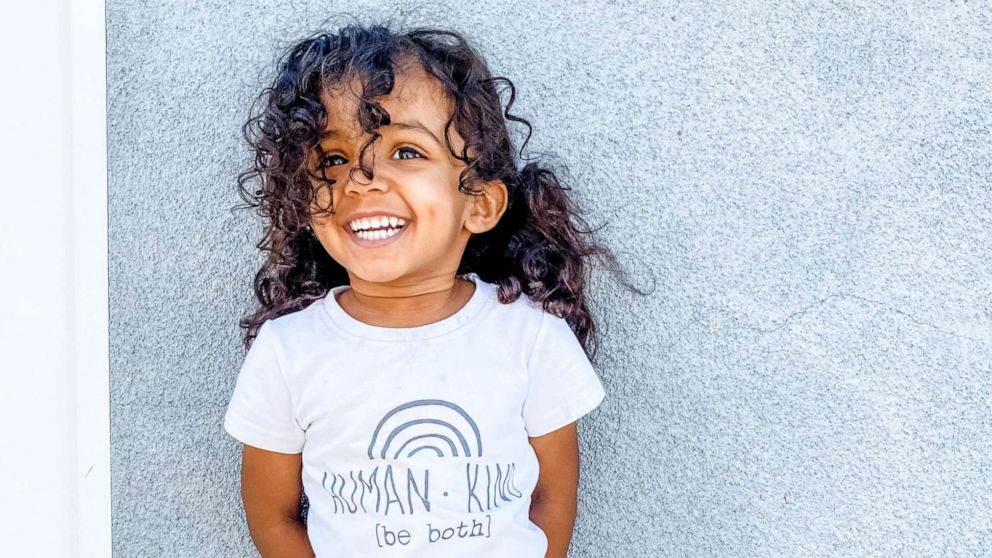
87,32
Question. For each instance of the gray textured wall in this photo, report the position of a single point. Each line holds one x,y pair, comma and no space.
808,184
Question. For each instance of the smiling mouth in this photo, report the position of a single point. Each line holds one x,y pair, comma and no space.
376,237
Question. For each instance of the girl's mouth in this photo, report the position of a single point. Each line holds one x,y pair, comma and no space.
367,240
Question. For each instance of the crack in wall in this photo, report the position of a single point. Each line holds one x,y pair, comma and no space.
883,304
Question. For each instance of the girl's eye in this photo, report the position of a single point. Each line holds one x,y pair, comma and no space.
326,162
409,150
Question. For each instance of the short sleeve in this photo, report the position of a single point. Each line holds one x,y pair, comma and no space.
562,384
261,412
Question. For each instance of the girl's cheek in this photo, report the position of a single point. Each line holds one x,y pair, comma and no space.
429,214
319,194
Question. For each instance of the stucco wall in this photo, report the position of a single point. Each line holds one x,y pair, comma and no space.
808,186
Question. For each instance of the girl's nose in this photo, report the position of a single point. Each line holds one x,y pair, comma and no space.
381,180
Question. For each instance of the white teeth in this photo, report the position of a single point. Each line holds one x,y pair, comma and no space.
376,222
376,235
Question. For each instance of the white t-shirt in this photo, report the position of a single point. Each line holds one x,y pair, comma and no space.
415,439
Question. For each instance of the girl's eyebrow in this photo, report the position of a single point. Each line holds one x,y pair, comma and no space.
413,125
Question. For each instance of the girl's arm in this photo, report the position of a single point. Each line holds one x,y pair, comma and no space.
270,490
553,503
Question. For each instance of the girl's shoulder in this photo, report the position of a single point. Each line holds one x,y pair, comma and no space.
526,307
298,323
522,315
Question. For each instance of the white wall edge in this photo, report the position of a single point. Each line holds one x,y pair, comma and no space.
88,78
54,397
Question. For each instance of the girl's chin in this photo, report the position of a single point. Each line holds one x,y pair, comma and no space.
368,272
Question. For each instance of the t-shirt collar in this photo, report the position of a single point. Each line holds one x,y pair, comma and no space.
338,318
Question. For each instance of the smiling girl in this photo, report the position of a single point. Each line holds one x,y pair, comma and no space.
421,351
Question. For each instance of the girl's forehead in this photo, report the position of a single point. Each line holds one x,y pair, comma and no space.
415,96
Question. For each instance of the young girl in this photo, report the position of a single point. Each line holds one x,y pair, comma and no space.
395,374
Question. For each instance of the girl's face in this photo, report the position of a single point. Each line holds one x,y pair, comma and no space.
415,181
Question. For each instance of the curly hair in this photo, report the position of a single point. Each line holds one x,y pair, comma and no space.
539,246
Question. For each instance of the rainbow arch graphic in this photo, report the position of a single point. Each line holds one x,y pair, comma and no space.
426,428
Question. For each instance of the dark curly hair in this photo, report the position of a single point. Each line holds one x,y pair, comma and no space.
535,248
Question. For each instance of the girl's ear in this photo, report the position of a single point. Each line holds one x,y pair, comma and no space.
486,209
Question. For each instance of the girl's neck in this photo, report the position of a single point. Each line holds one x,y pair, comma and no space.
428,301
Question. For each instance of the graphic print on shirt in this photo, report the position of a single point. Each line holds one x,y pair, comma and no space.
424,452
447,430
